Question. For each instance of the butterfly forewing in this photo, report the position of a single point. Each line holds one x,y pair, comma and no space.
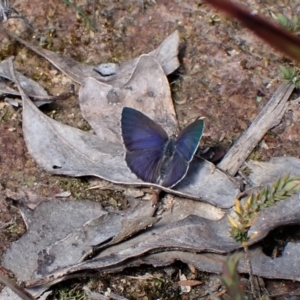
189,139
140,132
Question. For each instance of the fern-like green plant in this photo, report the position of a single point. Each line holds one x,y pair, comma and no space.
231,279
282,189
290,24
291,75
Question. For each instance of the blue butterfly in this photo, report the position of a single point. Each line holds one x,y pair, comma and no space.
151,154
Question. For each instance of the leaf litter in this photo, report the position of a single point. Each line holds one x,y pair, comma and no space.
69,151
32,89
191,232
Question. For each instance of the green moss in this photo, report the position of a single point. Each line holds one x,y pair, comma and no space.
85,127
68,293
156,288
76,186
14,228
7,49
30,181
79,188
255,155
176,88
5,114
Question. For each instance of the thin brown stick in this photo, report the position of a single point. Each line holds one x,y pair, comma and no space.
253,283
269,117
16,288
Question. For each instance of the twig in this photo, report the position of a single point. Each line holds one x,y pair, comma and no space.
253,284
16,288
94,15
269,117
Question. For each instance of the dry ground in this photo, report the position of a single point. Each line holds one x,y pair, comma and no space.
227,75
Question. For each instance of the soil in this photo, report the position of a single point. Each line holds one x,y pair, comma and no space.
227,75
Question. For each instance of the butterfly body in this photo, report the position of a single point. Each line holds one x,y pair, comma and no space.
151,154
169,148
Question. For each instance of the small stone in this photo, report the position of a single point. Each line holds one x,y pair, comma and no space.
107,69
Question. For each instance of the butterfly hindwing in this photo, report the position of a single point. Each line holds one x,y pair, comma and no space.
177,170
144,163
189,138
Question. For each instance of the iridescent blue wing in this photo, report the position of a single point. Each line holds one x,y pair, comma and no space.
189,138
145,164
140,132
144,141
186,146
177,169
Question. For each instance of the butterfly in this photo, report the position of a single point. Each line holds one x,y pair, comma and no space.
151,155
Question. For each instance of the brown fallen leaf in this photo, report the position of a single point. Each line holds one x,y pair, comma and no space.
62,149
32,88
